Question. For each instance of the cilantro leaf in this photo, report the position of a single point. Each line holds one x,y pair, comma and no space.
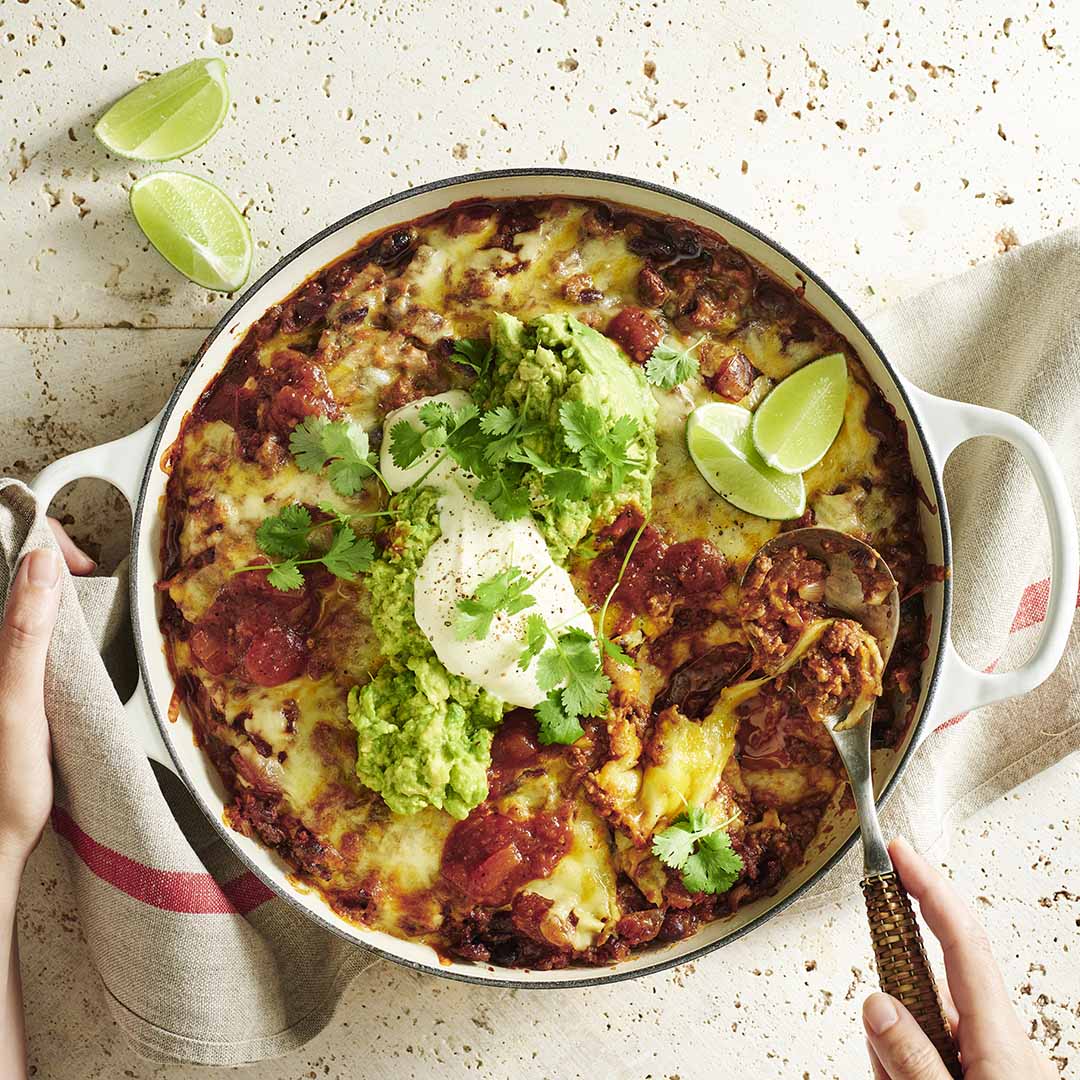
306,443
506,591
536,637
599,451
567,484
406,444
286,533
675,844
555,724
508,428
574,664
550,671
284,575
466,446
473,353
342,443
503,491
347,443
668,366
699,847
583,425
616,652
348,554
499,421
441,426
714,867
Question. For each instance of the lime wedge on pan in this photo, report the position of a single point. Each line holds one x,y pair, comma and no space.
796,424
195,226
719,441
170,115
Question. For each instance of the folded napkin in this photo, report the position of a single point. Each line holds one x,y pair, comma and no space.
199,961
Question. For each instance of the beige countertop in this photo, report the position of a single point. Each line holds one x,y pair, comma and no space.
887,144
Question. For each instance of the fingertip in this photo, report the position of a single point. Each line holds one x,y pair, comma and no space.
900,1047
902,848
879,1013
78,562
915,872
30,612
41,568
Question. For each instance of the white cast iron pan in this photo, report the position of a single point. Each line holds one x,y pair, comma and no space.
935,427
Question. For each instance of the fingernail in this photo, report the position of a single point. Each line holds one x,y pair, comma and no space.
43,568
880,1013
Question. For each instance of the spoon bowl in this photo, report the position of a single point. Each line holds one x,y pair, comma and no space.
859,584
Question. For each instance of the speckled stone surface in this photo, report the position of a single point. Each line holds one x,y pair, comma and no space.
888,144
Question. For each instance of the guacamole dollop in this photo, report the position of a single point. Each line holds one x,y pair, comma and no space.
423,735
537,366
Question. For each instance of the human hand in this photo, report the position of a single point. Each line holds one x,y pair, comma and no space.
993,1045
26,789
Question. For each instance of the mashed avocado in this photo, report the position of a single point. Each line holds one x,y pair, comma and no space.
423,735
536,367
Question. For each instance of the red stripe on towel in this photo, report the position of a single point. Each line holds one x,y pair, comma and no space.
171,890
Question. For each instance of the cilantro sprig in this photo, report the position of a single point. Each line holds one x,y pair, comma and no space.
604,643
699,847
342,445
460,432
603,449
506,591
287,536
442,426
507,429
668,365
569,672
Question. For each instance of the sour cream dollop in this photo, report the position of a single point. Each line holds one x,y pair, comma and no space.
475,546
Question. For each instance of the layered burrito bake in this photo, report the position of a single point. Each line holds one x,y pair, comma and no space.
464,628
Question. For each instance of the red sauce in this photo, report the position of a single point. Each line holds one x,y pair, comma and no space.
658,572
490,855
255,631
636,331
514,749
280,396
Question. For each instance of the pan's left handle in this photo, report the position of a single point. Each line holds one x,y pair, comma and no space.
122,463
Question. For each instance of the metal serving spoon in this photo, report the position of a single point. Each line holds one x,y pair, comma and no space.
903,969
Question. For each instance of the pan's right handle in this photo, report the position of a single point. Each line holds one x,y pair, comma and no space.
948,424
122,463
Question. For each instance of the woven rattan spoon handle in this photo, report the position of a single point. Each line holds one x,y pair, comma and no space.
903,970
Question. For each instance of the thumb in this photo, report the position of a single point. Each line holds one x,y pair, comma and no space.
27,626
900,1044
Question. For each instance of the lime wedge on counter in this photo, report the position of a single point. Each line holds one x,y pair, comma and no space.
195,226
718,438
170,115
796,424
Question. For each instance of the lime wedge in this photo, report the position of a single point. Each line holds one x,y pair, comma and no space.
796,424
718,438
195,226
169,116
